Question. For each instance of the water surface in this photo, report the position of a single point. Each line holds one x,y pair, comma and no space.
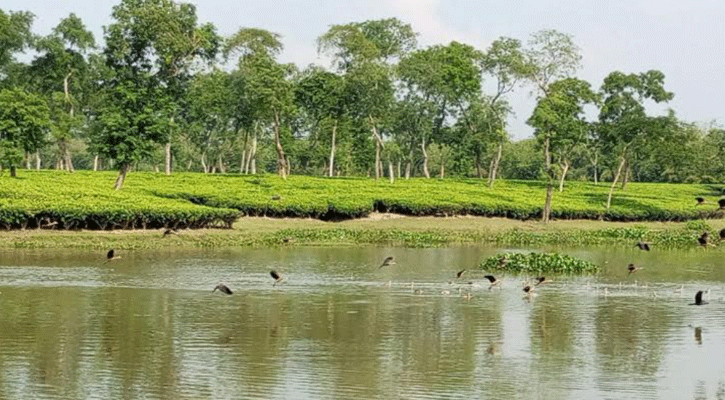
149,326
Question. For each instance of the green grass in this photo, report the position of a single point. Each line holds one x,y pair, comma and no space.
86,199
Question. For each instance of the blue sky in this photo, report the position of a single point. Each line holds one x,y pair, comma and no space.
683,39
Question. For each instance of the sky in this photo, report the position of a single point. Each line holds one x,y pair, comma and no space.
683,39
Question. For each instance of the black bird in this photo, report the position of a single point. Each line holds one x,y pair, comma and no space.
703,239
722,234
276,276
698,299
721,203
460,273
222,288
540,280
169,232
111,255
642,246
700,200
528,289
388,261
493,280
632,269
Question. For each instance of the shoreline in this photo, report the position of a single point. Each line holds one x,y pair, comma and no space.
377,229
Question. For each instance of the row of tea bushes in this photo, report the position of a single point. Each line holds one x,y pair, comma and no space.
86,199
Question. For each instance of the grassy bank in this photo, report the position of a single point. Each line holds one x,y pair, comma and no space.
85,200
379,229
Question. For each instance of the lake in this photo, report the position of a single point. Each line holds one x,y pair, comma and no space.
149,326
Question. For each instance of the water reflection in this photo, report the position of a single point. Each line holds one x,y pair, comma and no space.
149,326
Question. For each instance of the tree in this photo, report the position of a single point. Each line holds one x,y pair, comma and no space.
506,62
443,81
24,121
266,82
624,123
61,73
322,95
365,53
15,35
552,55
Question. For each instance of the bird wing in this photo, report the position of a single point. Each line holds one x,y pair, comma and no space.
110,254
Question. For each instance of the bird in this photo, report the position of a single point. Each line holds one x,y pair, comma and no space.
222,288
698,299
722,234
460,273
528,289
642,246
700,200
493,280
111,255
169,232
540,280
276,276
721,203
702,240
632,269
388,261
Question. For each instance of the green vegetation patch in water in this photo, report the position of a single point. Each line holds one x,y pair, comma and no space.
538,263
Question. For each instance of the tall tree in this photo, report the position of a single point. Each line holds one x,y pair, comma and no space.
506,62
366,52
267,82
24,121
61,73
624,124
15,36
551,55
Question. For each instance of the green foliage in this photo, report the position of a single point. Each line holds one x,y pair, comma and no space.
538,263
24,120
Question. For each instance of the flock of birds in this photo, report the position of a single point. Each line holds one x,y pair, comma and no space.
703,240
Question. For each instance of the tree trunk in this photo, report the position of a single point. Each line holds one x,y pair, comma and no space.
479,169
332,149
391,173
399,168
614,182
221,164
243,161
564,170
626,175
203,163
167,163
121,176
409,163
425,159
378,148
37,160
95,162
252,159
550,183
13,171
27,160
496,163
281,161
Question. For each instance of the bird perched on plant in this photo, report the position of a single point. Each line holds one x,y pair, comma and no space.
698,299
222,288
700,200
276,276
111,255
642,245
388,261
632,269
493,280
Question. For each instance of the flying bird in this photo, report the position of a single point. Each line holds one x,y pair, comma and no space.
460,273
632,269
698,299
222,288
642,246
493,280
276,276
388,261
700,200
111,255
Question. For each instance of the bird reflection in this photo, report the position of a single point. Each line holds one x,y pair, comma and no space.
698,335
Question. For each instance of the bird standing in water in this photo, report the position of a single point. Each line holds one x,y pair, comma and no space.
642,246
493,280
222,288
388,261
276,276
111,255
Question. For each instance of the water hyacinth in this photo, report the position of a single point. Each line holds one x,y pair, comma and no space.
538,263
